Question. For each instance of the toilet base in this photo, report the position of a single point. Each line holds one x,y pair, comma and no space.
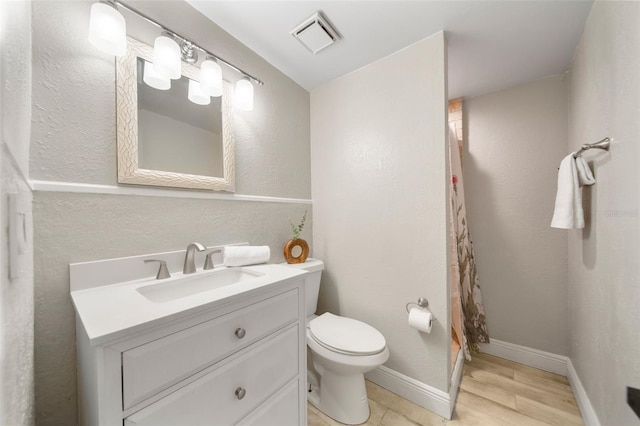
338,387
343,398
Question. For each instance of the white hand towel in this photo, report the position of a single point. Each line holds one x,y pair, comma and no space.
245,255
585,177
573,173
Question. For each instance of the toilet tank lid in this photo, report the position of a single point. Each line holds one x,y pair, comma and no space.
311,265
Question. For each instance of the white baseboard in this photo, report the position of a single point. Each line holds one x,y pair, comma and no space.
417,392
456,378
546,361
586,409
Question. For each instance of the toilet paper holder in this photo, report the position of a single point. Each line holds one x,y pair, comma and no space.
422,303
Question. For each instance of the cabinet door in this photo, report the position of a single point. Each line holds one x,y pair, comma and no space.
279,410
150,368
230,392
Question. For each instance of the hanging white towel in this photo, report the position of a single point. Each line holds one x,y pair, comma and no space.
245,255
572,175
585,176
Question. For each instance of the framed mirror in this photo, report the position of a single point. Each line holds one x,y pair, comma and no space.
163,138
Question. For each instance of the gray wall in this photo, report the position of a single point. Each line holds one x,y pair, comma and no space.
604,271
516,139
16,295
73,140
379,160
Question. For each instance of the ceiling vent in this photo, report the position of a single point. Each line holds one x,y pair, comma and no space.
315,33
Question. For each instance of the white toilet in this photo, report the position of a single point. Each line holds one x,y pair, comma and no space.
342,350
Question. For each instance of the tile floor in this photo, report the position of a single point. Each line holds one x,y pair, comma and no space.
493,391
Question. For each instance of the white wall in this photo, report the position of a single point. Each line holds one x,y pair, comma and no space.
73,140
379,185
515,140
16,295
604,268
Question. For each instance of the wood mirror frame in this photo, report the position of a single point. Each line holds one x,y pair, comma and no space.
129,171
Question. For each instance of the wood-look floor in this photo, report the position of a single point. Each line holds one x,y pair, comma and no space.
493,391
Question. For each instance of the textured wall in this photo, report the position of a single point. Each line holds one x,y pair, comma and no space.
516,140
604,272
73,140
16,295
79,105
379,184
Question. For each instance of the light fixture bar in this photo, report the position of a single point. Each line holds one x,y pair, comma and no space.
176,35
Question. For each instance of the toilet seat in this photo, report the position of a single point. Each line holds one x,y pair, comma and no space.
346,335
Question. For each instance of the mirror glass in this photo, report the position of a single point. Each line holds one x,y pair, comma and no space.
175,134
163,138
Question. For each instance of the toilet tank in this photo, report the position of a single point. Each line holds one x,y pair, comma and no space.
312,282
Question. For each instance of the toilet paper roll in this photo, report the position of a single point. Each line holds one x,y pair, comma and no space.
420,319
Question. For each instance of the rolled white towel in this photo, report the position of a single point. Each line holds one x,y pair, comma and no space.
245,255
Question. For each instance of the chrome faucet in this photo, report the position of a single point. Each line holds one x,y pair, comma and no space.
189,258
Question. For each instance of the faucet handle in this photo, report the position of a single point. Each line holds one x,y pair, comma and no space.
208,262
163,272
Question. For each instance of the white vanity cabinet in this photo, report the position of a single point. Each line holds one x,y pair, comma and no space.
238,360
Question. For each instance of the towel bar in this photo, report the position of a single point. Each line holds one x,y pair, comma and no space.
603,144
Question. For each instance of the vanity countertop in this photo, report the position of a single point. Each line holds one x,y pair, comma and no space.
111,312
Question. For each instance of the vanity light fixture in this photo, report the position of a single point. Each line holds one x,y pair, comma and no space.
167,59
243,98
188,52
108,29
211,77
153,79
108,32
196,95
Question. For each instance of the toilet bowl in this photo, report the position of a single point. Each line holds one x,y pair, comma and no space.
342,351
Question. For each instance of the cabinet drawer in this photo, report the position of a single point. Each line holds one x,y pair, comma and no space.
279,410
212,399
150,368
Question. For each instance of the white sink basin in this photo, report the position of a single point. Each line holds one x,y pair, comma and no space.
179,287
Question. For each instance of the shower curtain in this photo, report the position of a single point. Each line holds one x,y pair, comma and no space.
469,325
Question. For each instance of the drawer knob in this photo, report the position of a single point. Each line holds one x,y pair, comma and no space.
240,332
240,393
